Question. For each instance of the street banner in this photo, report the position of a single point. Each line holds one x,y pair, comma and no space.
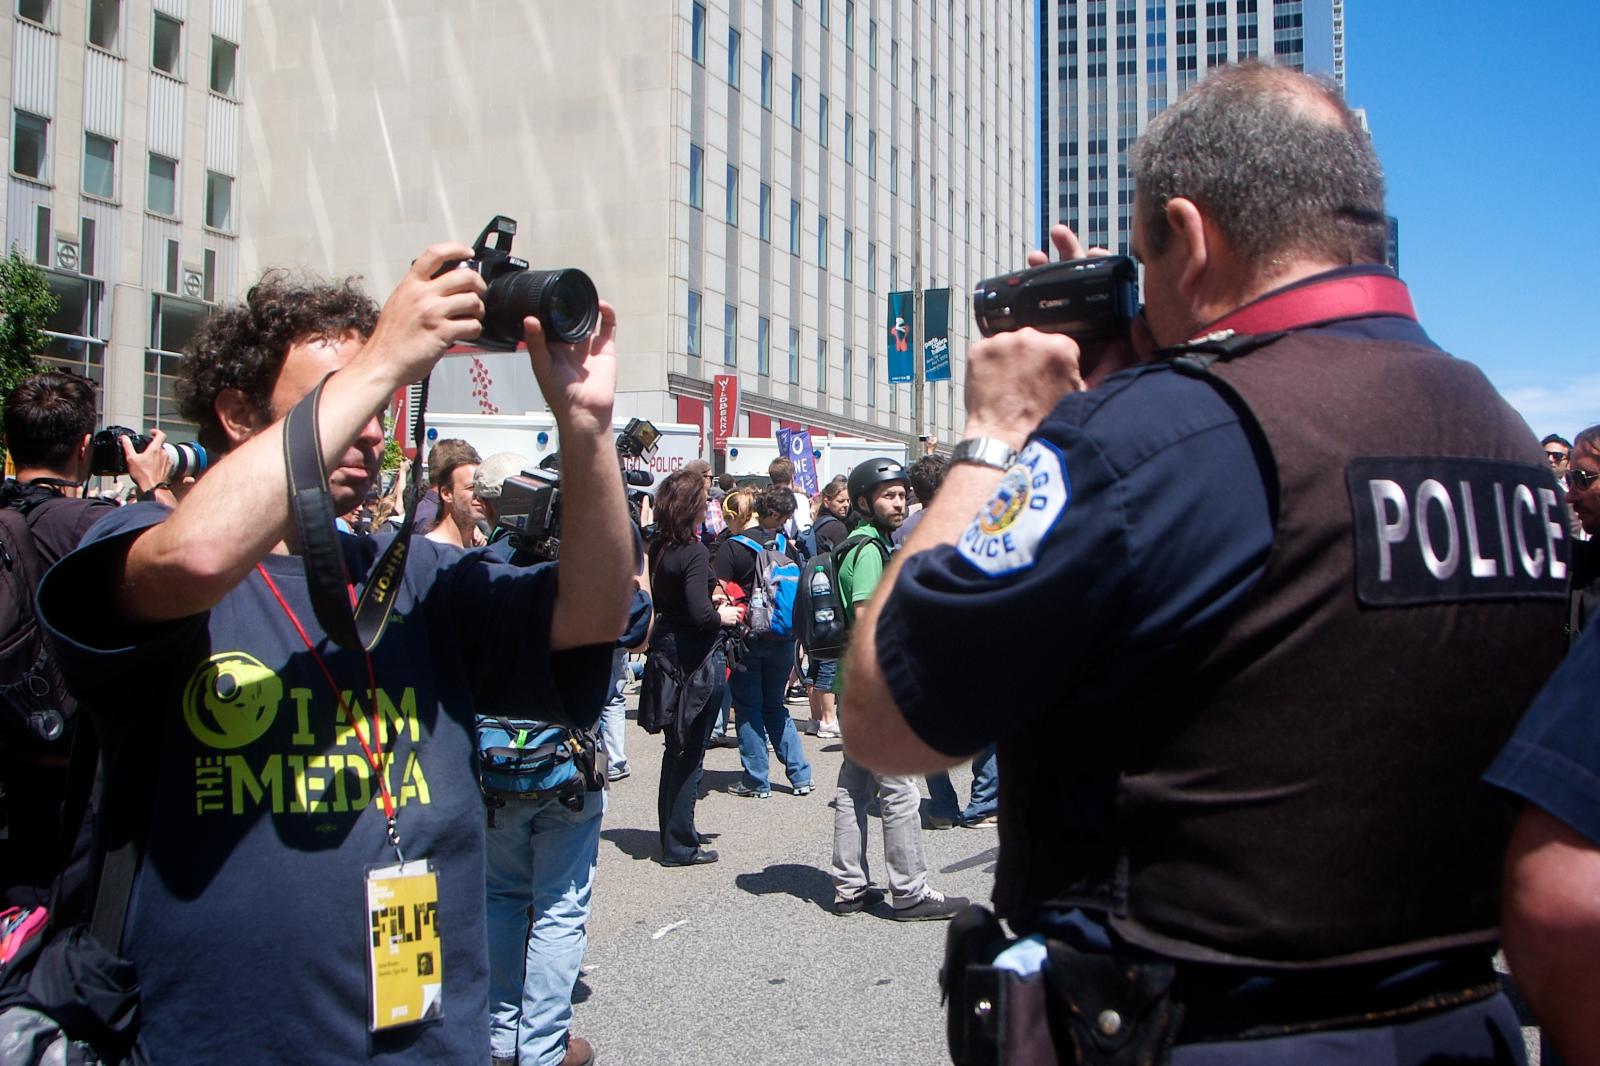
936,336
795,445
900,315
724,409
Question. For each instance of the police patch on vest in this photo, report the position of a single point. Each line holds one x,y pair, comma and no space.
1442,530
1005,536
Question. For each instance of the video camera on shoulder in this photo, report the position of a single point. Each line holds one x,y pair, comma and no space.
1088,299
106,458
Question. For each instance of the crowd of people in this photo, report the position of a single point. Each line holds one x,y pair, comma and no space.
1312,636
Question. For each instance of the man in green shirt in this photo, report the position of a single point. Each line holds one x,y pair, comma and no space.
878,492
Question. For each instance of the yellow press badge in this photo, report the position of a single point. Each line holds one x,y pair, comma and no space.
406,962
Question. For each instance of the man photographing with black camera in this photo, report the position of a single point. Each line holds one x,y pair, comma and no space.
311,826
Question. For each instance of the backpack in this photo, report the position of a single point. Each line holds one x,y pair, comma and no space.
35,708
527,759
777,584
822,618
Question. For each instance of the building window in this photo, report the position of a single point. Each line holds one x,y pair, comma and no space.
730,335
30,143
697,176
766,80
763,346
894,63
166,45
872,379
872,266
849,259
766,212
173,325
822,366
794,101
794,356
892,265
224,63
733,195
822,120
105,20
34,11
822,241
733,57
219,201
849,372
74,337
849,24
872,43
794,227
872,154
161,190
849,138
894,169
694,324
698,44
99,166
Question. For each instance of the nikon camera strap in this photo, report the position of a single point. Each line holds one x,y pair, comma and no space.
327,577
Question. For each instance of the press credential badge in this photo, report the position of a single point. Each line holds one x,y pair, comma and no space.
405,959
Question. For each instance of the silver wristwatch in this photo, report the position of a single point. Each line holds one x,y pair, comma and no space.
985,451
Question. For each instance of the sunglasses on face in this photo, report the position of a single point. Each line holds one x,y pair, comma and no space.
1556,457
1581,479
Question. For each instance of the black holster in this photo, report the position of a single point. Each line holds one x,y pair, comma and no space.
1082,1008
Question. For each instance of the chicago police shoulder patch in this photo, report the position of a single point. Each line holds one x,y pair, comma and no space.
1005,536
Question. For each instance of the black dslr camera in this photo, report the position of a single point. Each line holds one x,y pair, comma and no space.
1087,299
106,458
529,508
564,301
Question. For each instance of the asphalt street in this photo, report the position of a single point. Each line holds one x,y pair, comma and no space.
744,960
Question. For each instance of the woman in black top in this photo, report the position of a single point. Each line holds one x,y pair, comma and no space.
684,641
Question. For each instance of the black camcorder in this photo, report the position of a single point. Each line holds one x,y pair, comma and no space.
529,507
564,301
106,458
1087,299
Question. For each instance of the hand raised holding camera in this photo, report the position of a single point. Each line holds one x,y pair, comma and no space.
578,380
427,312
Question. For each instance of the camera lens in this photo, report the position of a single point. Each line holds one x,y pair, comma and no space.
564,301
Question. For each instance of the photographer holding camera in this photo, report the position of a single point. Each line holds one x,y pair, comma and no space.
308,814
1269,563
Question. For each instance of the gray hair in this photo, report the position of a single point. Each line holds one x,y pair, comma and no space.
1275,159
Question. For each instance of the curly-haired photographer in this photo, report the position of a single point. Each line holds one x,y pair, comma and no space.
275,778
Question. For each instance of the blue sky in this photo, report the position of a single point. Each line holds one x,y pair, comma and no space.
1487,118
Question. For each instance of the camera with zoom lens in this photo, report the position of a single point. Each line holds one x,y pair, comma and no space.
564,301
106,458
1087,299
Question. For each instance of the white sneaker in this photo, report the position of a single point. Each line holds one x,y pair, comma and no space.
827,731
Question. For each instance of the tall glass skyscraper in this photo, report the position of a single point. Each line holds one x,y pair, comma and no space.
1106,67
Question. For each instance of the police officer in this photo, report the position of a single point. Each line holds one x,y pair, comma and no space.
1293,600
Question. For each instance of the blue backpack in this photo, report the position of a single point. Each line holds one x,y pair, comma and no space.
527,759
777,585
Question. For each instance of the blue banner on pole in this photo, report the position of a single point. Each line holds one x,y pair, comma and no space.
795,445
900,353
936,338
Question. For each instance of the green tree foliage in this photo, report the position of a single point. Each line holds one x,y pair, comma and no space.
26,304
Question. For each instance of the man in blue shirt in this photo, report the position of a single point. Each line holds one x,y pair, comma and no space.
1255,791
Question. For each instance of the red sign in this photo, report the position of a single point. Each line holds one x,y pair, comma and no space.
725,409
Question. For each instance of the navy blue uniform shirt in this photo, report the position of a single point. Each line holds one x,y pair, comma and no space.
1145,519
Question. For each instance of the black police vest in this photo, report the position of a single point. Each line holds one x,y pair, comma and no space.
1303,789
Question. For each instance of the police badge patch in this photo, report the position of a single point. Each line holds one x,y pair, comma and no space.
1005,536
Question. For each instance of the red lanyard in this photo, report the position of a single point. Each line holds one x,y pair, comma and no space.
1318,303
374,751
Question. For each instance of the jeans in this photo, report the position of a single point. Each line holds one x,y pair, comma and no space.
679,788
900,800
540,856
985,790
614,715
758,692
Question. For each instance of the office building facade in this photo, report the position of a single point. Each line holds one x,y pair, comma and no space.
124,181
1106,67
742,178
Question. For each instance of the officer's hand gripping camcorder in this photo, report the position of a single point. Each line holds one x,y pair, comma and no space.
564,301
1087,299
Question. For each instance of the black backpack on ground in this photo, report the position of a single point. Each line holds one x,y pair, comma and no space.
820,617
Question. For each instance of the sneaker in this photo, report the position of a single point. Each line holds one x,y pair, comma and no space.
738,789
827,731
795,692
856,904
618,773
932,907
988,821
802,790
939,821
723,740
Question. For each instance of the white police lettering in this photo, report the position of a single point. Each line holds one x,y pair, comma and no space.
1005,536
1452,529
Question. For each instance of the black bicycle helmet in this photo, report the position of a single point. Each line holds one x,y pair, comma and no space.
872,473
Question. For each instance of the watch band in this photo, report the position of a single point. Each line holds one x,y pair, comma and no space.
984,451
